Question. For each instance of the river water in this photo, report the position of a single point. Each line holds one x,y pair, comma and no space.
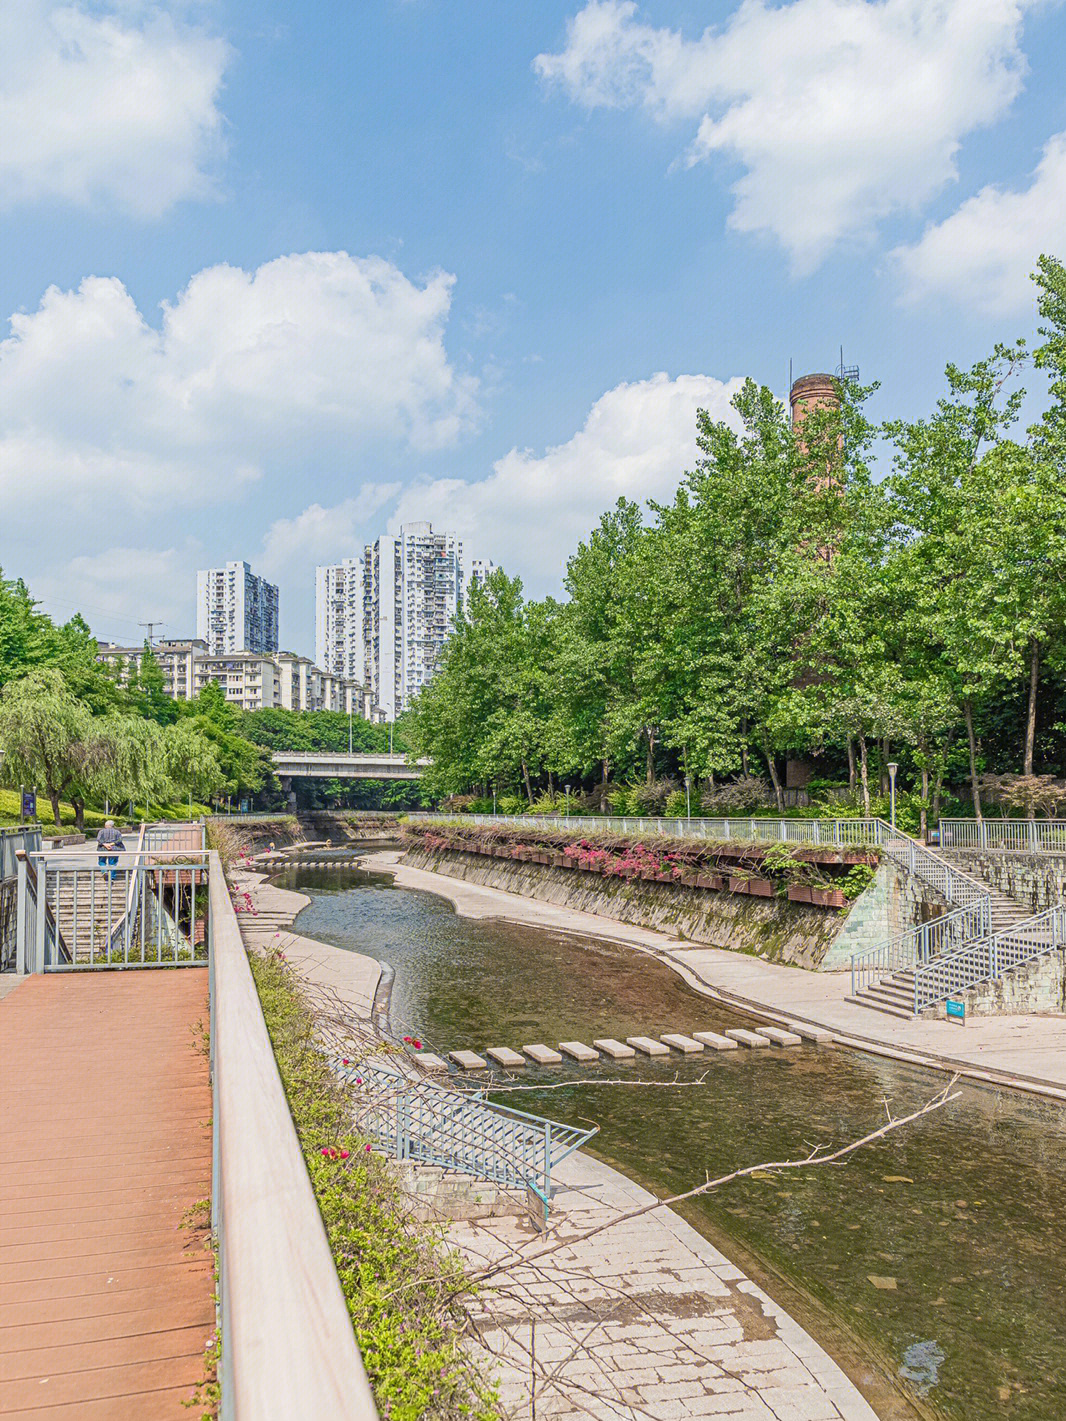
935,1257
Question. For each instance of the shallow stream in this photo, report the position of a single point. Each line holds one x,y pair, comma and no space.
937,1255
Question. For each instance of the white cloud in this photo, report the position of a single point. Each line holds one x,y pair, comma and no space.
981,255
841,112
529,514
112,104
292,547
251,373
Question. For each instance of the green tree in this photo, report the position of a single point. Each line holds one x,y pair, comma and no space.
43,728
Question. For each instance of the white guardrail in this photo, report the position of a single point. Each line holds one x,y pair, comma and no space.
1031,836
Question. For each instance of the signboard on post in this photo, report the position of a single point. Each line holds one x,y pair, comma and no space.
956,1011
29,804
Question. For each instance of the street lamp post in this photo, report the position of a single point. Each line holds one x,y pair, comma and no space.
494,801
688,796
567,789
892,768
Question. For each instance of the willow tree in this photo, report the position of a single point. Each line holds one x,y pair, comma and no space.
43,729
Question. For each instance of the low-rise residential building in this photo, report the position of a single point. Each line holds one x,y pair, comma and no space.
252,680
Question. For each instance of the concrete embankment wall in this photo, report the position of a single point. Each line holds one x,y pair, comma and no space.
1037,881
771,928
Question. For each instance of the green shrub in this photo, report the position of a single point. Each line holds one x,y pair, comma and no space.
511,804
675,804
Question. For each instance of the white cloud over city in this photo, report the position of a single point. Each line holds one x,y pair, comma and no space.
113,106
532,510
840,113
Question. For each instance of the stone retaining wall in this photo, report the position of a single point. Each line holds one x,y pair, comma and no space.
771,928
1037,881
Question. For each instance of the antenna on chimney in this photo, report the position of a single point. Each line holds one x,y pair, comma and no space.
151,628
847,374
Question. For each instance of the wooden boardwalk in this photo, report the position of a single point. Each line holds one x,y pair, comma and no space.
106,1290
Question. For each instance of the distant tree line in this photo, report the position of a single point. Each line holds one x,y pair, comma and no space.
788,604
94,736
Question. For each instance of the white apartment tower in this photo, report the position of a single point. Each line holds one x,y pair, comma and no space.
481,569
339,619
413,587
236,610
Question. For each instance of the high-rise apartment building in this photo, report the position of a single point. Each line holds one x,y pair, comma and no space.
236,610
339,619
413,587
481,569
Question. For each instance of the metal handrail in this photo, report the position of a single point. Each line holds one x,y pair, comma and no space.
927,941
414,1119
988,959
1033,836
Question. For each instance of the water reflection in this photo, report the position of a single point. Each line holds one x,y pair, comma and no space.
942,1246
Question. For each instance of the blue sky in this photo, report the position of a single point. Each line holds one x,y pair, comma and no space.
280,276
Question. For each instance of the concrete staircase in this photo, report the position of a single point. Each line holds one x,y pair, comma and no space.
894,992
88,907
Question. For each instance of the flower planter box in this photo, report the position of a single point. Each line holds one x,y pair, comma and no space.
738,885
828,897
689,880
560,861
799,893
760,888
711,880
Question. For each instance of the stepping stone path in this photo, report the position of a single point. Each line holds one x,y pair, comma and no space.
504,1056
543,1055
468,1060
778,1036
429,1062
817,1034
714,1041
683,1043
648,1045
746,1037
578,1050
617,1050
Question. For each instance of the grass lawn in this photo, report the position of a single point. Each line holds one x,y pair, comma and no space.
94,818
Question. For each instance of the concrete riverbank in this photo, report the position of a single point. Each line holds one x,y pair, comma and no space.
1025,1052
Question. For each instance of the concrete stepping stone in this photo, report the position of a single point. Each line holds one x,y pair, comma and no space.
778,1036
716,1042
578,1050
429,1062
504,1056
617,1050
543,1055
648,1045
680,1042
817,1034
746,1037
468,1060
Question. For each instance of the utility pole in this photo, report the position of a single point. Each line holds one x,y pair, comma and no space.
151,628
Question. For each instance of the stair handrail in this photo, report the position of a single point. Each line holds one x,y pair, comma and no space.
988,959
918,944
956,885
120,934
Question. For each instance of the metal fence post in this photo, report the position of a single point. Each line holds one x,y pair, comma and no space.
41,924
22,906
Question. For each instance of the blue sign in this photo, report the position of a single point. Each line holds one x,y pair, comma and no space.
29,804
956,1010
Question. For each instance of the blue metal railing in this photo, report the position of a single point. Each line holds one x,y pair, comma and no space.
987,959
414,1119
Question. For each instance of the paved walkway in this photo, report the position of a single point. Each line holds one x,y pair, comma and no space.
265,919
1027,1051
646,1320
106,1288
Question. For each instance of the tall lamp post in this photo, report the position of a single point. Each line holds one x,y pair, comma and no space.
688,796
892,768
567,789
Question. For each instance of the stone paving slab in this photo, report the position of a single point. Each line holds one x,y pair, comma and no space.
504,1056
648,1045
715,1041
644,1320
617,1050
745,1037
468,1060
778,1036
578,1051
543,1055
680,1042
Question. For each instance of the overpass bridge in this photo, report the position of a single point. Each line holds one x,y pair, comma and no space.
290,765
